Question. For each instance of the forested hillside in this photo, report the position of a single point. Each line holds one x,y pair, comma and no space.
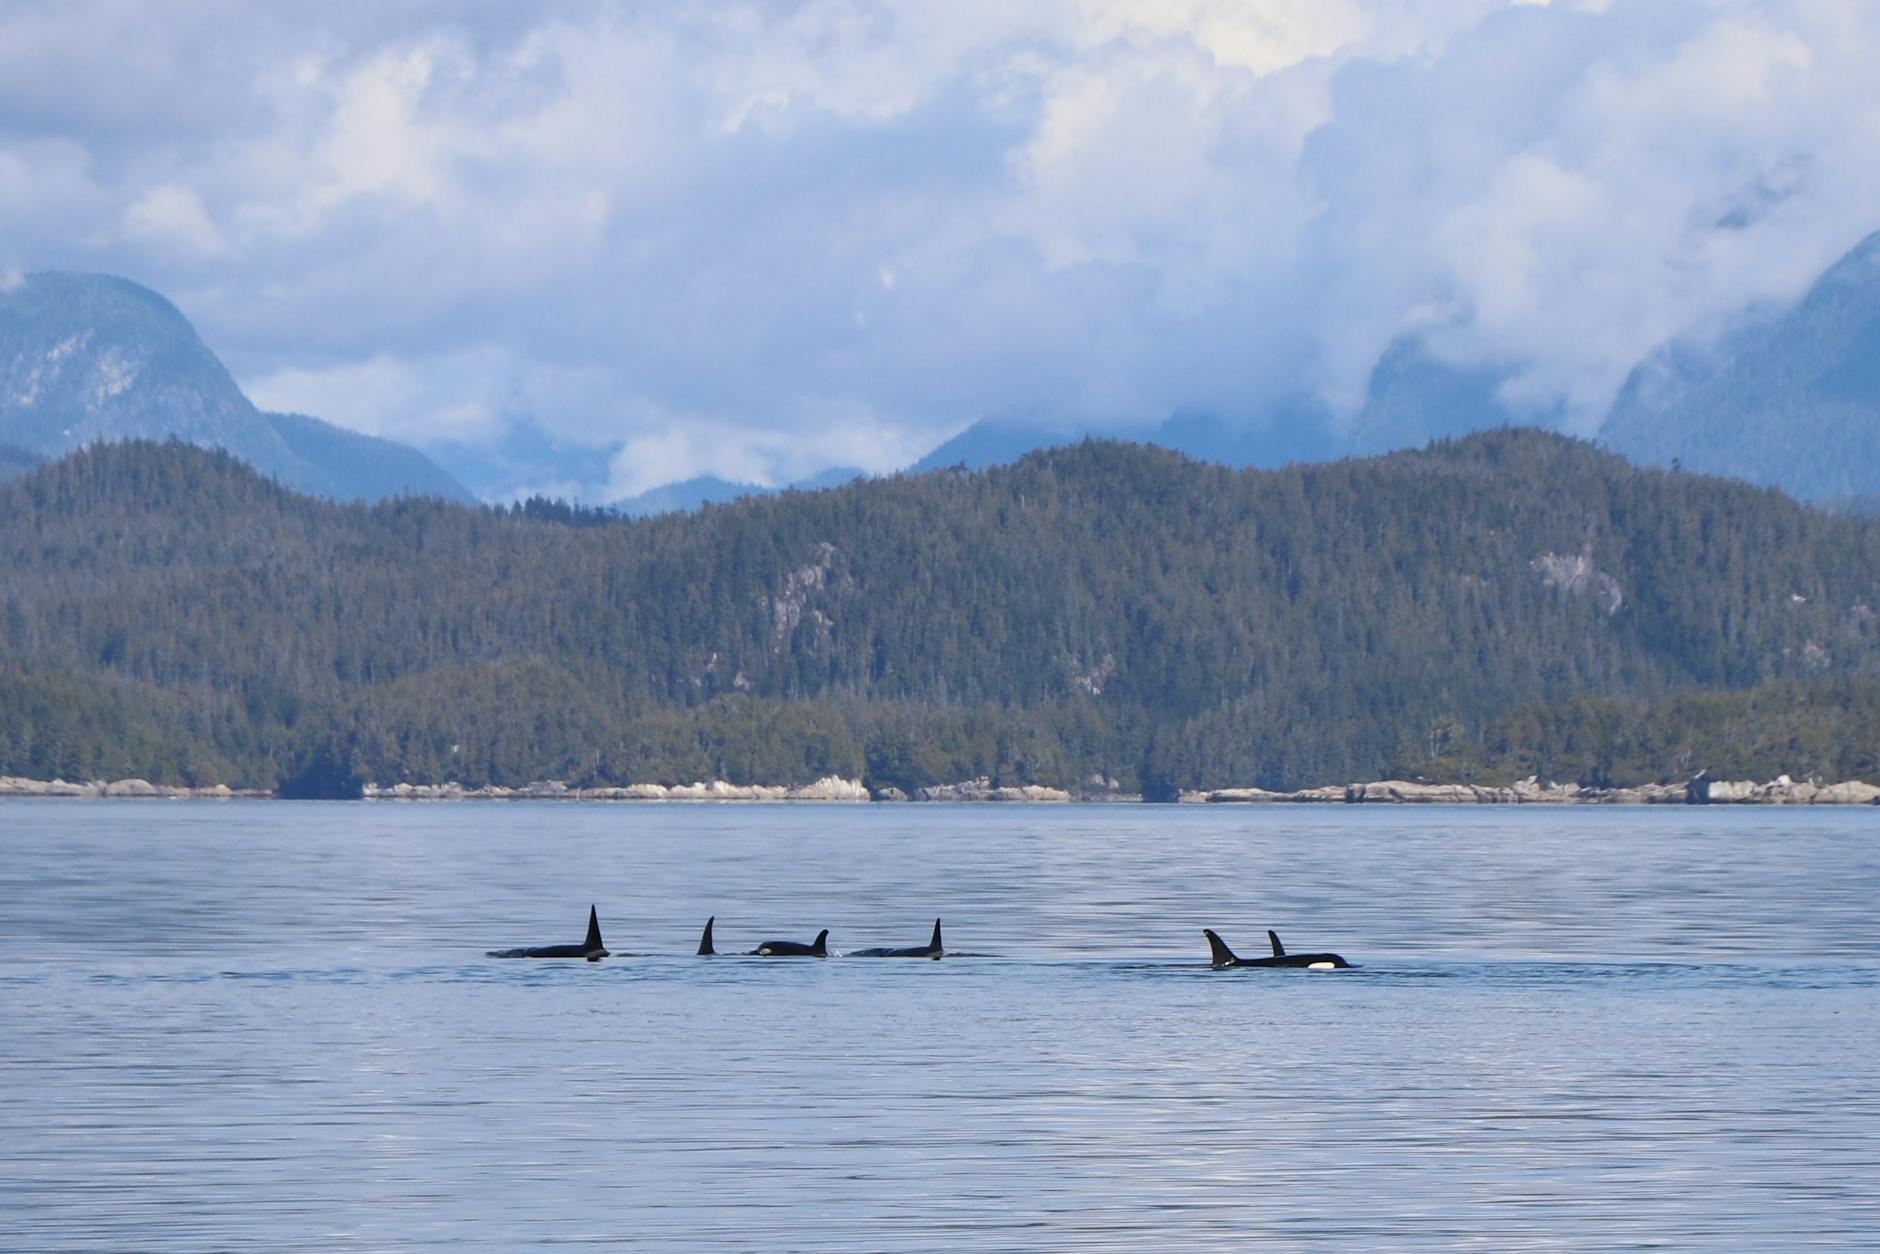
1103,609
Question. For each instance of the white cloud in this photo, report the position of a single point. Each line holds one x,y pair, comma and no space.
387,396
813,434
171,216
1644,174
1262,38
739,239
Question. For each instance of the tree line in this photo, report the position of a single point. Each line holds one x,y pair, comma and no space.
1490,604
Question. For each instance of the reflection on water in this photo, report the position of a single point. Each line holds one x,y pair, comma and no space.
272,1026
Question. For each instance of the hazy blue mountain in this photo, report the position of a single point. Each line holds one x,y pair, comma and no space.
1791,400
834,477
1292,431
16,461
1414,398
690,494
89,357
687,494
528,460
998,442
356,465
1295,429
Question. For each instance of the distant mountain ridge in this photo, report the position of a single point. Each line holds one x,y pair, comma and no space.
691,494
15,461
1790,400
92,357
1293,431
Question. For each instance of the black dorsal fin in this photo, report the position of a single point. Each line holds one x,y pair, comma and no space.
1218,952
705,941
593,941
821,947
1279,950
935,942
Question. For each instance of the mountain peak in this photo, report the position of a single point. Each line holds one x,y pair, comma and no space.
94,357
87,357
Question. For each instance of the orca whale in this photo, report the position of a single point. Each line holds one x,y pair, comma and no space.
1223,957
932,949
818,948
705,949
591,948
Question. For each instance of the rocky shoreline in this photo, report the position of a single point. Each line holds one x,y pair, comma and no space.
13,786
833,788
1699,791
829,788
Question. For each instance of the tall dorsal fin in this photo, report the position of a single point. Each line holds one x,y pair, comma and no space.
593,940
821,947
705,942
1218,952
935,942
1279,950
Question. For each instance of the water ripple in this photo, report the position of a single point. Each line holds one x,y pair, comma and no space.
272,1027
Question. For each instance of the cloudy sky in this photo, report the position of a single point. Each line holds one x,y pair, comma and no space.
758,240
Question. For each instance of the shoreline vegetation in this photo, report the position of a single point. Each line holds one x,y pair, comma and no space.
833,789
1490,609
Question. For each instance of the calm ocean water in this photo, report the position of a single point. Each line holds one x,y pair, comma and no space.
272,1026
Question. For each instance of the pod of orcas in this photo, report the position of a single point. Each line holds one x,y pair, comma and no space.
1220,956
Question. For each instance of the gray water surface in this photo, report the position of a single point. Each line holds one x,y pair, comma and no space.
273,1026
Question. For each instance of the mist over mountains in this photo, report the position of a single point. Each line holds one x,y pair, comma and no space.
1789,398
1786,397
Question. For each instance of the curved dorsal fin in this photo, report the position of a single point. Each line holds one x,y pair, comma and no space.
705,941
1218,952
935,942
1279,950
593,941
821,947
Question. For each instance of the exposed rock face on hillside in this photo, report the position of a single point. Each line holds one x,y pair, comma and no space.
1576,575
88,357
800,586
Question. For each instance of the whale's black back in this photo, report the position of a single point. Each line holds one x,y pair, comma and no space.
932,949
592,949
819,948
1219,955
